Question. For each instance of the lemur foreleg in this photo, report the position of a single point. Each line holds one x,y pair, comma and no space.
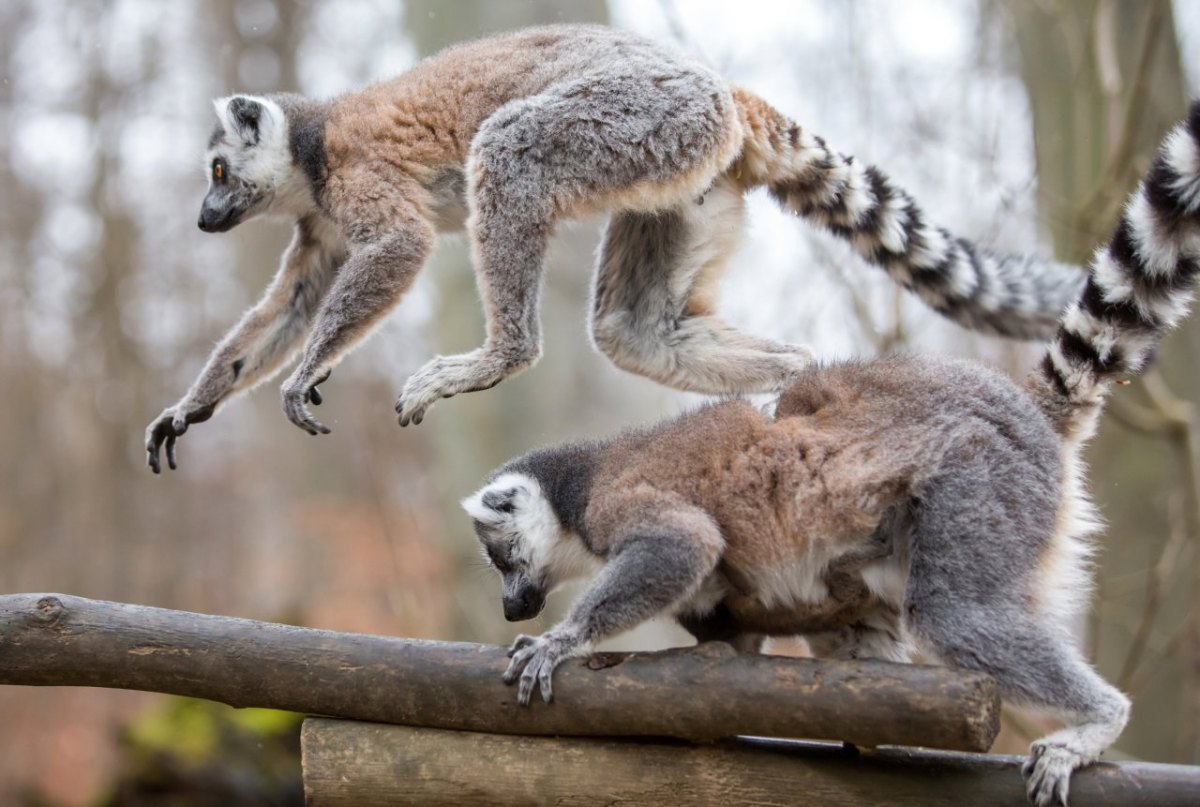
369,284
647,573
260,343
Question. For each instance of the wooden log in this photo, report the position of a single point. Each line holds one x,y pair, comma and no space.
349,764
695,694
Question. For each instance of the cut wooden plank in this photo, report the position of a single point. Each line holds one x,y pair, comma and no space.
696,694
350,764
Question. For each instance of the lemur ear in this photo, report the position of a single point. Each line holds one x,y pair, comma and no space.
243,116
491,506
502,501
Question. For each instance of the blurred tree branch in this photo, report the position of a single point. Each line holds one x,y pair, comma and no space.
1157,576
1122,169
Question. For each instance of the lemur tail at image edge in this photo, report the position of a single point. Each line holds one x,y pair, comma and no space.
1140,287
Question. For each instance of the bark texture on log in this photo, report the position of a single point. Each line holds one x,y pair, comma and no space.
694,694
348,764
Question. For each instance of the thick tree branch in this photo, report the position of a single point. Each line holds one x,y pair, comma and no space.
55,639
350,764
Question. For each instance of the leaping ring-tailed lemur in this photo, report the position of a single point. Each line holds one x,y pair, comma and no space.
512,133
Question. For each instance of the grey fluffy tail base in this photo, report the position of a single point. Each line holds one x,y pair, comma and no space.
1140,286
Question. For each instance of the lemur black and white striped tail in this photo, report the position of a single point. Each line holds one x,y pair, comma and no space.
1140,286
1015,296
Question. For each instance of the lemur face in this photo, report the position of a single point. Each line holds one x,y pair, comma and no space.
249,164
520,537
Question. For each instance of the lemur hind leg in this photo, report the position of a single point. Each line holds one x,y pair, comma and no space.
876,636
850,603
630,136
721,626
652,305
876,631
970,607
1035,665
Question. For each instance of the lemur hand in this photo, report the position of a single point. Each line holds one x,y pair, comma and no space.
538,655
172,423
298,392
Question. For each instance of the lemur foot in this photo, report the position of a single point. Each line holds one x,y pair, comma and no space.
806,354
168,426
539,656
447,376
1048,773
297,394
803,358
796,360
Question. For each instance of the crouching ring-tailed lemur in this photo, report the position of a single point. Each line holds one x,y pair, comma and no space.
892,504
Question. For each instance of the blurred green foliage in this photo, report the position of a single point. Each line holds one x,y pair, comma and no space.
195,753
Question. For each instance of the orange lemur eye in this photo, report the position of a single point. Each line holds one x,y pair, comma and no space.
218,172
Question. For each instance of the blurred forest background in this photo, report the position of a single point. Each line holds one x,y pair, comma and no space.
1019,124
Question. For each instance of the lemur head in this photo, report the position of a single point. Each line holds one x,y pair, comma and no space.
524,540
251,169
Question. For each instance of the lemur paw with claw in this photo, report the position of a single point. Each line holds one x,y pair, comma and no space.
534,659
297,395
169,426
